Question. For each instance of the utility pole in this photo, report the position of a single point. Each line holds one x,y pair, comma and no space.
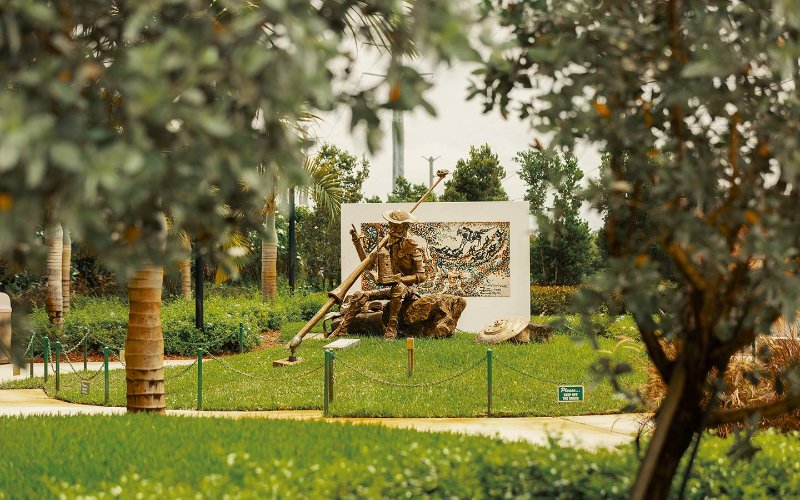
430,160
398,133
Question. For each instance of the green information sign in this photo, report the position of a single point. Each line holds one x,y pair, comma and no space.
570,393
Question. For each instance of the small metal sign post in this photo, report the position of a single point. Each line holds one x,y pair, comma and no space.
570,393
84,387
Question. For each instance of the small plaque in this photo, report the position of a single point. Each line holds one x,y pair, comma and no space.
343,343
570,393
15,370
84,387
122,355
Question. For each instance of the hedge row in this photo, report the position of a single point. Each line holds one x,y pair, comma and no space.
126,456
104,321
551,300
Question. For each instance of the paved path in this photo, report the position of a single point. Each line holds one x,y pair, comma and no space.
590,431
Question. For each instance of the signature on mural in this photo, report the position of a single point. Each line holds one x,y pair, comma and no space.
470,259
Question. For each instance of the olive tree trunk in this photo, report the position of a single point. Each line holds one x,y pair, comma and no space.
54,241
144,346
679,418
66,273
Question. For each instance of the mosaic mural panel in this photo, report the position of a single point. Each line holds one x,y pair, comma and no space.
469,259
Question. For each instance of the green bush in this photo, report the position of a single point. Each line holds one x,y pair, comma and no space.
126,456
551,300
104,321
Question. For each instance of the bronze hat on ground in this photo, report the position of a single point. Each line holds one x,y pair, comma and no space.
398,216
515,327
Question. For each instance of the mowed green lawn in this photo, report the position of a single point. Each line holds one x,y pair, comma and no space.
450,379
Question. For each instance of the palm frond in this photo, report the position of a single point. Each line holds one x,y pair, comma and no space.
236,250
324,185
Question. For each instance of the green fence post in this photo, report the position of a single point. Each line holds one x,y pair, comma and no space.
325,382
46,356
85,353
241,338
489,381
330,374
199,379
105,364
58,366
33,351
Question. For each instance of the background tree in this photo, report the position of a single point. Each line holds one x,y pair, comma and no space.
478,178
404,191
686,97
114,113
562,253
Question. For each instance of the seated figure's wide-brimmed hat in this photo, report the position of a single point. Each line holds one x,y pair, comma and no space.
515,327
398,216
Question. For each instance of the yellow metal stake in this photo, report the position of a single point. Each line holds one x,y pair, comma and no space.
410,348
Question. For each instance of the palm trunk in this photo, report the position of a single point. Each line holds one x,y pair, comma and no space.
679,417
54,241
66,273
144,346
186,279
269,260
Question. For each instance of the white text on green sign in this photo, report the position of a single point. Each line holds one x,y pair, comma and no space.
570,393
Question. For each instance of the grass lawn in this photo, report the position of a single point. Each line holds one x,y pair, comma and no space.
261,387
182,457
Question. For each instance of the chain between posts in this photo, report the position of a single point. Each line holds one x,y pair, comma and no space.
85,379
377,380
183,372
521,372
232,368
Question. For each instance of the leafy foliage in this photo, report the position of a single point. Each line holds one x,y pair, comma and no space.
114,113
477,178
404,191
104,322
240,457
562,252
318,238
686,98
551,300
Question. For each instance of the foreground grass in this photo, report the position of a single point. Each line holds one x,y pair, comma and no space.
170,457
248,382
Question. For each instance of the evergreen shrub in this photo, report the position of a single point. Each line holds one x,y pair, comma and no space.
104,322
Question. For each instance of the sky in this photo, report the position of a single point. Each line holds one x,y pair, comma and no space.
458,125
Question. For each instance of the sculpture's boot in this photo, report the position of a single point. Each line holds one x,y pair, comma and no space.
354,305
398,292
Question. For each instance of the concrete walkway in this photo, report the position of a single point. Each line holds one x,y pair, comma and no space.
588,431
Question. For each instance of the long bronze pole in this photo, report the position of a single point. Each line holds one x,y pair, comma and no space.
336,296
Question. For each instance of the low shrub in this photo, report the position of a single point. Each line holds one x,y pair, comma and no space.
126,457
104,322
551,300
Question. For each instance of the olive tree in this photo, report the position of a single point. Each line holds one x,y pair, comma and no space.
698,102
115,113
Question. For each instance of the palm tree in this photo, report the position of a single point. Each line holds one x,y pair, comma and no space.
324,187
66,273
144,344
54,242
